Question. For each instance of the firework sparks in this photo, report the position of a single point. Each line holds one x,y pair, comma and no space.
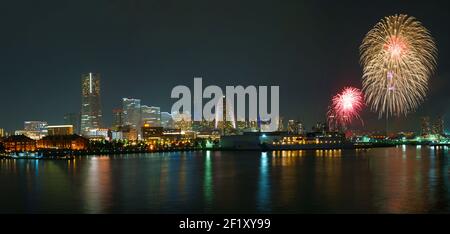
398,57
345,107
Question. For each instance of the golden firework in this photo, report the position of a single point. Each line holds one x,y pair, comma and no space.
398,57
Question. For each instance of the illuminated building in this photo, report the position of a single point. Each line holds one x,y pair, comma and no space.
182,121
35,126
2,132
320,127
151,115
438,126
117,119
425,126
129,133
281,125
19,143
91,114
33,129
59,130
69,142
300,128
99,134
74,120
283,140
227,124
132,113
150,132
116,135
166,120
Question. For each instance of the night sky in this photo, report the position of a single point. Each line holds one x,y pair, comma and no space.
144,48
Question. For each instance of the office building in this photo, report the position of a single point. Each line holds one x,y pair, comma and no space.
132,112
59,130
91,114
117,119
151,115
74,120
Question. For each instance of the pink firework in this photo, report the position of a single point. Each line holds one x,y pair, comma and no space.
345,107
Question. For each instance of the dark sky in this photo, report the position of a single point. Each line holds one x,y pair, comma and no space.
144,48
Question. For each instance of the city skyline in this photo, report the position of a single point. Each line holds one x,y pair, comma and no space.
144,66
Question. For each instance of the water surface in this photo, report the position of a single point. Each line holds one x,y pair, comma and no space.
403,179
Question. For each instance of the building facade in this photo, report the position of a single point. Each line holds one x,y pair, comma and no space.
91,113
132,112
74,120
60,130
151,115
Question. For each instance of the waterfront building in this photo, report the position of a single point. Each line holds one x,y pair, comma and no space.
91,113
129,133
33,129
69,142
284,141
60,130
116,135
74,120
132,113
150,132
151,115
17,143
99,134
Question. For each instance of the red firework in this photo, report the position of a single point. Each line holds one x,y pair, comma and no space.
345,107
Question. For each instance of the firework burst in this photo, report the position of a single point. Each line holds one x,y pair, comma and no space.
345,107
398,57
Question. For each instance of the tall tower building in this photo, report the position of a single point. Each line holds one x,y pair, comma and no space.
132,112
117,119
425,126
91,113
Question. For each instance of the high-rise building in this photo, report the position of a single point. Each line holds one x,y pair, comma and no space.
117,119
2,132
132,113
300,128
438,126
74,120
151,115
425,125
227,125
292,126
166,120
91,113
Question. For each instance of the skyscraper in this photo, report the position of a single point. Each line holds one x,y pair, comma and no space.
74,120
132,112
117,119
91,113
151,115
425,126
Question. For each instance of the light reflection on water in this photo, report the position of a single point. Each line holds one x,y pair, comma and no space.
405,179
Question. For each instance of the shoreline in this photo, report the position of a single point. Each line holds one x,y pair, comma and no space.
68,154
